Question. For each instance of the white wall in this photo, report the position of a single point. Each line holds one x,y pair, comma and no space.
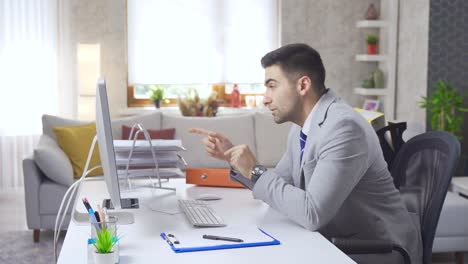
104,22
330,28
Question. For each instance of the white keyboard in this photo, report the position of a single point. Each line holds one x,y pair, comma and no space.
200,214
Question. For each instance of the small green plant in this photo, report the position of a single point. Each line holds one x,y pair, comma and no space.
105,241
445,107
372,39
157,93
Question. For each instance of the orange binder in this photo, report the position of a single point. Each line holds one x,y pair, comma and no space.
210,177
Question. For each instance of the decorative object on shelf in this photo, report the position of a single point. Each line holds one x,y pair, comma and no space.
371,13
378,77
250,100
372,41
157,95
259,101
235,96
192,105
445,108
371,105
368,83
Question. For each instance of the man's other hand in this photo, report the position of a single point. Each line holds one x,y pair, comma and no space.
216,144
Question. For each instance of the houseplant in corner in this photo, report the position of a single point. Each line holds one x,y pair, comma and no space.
372,41
445,109
104,244
157,95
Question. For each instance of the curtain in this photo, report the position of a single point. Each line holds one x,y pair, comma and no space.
28,80
199,41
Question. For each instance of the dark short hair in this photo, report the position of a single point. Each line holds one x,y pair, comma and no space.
297,60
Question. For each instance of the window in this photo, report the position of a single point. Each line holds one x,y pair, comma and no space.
183,44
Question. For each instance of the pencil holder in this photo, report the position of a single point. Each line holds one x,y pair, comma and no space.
105,241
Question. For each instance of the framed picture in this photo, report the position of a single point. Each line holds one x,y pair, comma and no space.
371,105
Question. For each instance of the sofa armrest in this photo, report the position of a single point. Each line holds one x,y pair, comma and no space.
33,178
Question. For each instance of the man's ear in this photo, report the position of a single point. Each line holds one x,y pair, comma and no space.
304,85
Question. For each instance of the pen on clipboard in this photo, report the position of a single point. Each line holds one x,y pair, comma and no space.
230,239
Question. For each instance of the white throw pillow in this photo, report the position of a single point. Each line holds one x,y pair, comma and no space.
53,162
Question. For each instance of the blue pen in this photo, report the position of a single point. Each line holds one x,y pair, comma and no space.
93,218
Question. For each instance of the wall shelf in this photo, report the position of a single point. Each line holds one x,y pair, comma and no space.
366,57
387,28
371,24
370,91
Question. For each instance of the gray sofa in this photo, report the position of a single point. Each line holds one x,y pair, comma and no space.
46,179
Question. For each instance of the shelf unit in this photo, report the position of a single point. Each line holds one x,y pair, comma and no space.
366,57
387,28
371,91
371,24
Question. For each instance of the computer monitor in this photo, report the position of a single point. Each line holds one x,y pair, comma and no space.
106,151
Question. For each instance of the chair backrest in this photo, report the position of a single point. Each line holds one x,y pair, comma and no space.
422,171
391,145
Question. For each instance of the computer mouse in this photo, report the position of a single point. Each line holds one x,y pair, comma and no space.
207,197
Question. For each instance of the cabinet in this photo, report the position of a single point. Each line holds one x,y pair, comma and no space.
386,60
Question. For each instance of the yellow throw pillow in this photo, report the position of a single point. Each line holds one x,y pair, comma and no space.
75,141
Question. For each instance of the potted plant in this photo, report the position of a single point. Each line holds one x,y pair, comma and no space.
372,41
104,245
157,95
445,110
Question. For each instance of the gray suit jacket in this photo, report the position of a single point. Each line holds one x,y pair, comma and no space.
342,188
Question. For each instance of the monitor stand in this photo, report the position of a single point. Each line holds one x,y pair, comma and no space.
123,218
127,203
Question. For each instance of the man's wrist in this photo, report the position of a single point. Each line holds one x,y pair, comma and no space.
248,173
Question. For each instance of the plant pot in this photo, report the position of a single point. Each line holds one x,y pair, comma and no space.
107,258
372,49
157,103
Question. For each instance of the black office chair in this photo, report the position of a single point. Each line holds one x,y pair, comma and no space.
392,144
422,171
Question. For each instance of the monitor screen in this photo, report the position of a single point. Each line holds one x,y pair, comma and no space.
106,151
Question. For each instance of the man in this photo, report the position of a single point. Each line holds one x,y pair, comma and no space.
332,178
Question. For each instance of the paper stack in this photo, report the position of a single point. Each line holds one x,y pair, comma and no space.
138,156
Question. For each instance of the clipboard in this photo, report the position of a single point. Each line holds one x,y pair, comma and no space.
197,243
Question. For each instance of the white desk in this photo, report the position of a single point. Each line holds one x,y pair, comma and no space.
141,243
460,185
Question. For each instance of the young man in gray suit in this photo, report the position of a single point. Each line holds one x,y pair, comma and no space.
333,177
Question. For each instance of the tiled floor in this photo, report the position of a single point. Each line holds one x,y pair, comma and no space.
14,219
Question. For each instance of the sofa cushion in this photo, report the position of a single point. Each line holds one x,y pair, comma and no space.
148,121
49,121
53,162
239,129
76,141
452,221
271,139
153,134
50,197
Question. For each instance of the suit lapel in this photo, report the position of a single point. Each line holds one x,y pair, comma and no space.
318,118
